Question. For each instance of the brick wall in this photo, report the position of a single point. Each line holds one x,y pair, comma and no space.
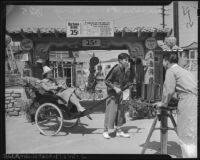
15,98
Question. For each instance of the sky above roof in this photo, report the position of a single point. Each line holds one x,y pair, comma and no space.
22,16
19,16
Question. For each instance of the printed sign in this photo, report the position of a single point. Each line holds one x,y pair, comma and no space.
90,29
149,68
150,43
26,44
91,42
24,57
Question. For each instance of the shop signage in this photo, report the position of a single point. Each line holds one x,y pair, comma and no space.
26,44
90,29
91,42
150,43
149,74
25,57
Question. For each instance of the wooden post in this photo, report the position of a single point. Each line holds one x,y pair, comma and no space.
56,33
176,21
39,33
22,33
139,32
154,33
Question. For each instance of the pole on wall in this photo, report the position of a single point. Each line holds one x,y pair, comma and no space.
176,21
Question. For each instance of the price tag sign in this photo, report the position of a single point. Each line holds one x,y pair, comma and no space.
91,42
90,29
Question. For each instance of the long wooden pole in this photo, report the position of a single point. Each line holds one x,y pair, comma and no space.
176,21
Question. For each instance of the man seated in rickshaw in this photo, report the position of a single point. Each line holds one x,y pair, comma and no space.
66,93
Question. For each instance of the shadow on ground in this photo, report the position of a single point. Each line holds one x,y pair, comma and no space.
127,128
82,128
173,148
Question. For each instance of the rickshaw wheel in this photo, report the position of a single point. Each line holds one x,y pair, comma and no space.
49,119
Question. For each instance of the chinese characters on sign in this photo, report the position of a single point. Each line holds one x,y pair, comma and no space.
149,73
90,29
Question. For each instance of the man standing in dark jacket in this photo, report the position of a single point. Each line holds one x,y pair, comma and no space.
116,81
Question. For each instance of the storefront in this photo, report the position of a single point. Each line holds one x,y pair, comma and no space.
60,52
189,58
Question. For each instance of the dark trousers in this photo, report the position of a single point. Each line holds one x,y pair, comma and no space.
114,114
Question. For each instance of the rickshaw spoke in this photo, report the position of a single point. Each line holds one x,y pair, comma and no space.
49,119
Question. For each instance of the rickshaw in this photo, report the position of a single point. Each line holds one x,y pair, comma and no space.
51,112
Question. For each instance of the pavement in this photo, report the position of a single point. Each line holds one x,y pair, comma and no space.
86,138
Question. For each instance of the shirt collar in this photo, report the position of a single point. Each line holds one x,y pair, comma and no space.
174,65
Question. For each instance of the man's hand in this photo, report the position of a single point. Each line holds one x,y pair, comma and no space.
117,90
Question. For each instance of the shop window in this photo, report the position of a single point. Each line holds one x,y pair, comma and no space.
193,60
192,54
62,70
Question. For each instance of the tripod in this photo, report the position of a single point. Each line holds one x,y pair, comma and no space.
162,115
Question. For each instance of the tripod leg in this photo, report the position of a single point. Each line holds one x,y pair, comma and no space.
173,122
164,132
150,134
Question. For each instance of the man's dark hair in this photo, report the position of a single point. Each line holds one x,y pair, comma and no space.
172,57
122,56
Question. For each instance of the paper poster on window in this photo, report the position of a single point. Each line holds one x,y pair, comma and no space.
90,29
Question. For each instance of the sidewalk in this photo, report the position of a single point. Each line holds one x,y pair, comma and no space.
23,137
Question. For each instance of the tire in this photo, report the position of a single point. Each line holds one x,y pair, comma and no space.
44,118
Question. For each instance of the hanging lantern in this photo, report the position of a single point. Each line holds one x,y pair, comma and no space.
170,41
